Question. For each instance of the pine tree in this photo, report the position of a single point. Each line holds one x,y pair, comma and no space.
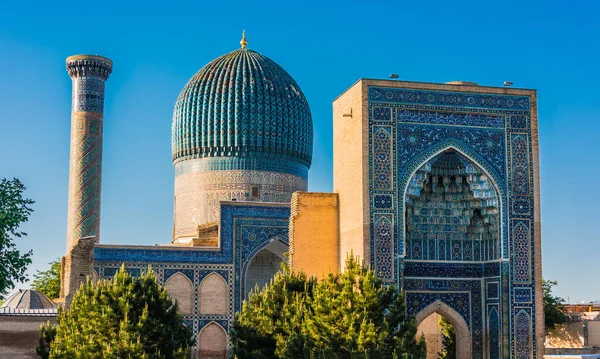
270,322
124,317
345,315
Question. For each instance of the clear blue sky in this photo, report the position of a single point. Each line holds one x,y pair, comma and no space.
326,46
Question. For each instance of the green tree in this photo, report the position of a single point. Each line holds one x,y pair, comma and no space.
48,282
554,311
14,210
448,339
124,317
346,315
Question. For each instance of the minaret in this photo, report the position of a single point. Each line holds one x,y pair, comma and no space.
89,73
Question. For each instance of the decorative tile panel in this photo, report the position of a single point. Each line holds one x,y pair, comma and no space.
384,247
523,338
450,118
522,252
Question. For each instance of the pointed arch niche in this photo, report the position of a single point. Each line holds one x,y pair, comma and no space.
264,265
213,295
180,289
452,211
212,342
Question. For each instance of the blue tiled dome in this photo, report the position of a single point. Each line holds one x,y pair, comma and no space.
242,104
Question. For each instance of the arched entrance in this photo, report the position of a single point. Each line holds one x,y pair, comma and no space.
452,211
425,320
264,265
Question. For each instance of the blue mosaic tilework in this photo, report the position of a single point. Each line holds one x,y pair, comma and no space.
523,295
261,162
489,144
382,162
461,302
164,255
189,273
251,227
520,164
505,311
384,246
522,251
443,270
491,269
521,206
384,201
494,133
443,98
460,295
382,113
519,121
451,212
242,104
494,332
90,95
449,118
523,345
492,290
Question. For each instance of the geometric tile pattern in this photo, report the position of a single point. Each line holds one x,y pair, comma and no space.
88,74
494,334
522,258
491,133
523,335
384,244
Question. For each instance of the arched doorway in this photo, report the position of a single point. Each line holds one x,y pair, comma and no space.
427,324
264,265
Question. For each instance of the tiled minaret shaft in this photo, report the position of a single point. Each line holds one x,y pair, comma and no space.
89,74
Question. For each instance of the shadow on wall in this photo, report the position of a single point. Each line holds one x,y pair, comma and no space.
567,335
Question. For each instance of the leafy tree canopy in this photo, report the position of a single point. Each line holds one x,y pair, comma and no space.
124,317
14,210
48,281
346,315
554,311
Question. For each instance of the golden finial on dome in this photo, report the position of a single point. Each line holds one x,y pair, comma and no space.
243,42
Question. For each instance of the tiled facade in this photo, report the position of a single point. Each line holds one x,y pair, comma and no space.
452,196
89,73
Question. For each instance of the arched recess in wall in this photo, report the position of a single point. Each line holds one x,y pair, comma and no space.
463,334
452,211
213,295
180,289
263,266
212,342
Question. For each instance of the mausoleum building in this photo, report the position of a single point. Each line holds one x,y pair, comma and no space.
436,187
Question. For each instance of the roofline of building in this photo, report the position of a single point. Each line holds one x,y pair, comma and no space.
497,90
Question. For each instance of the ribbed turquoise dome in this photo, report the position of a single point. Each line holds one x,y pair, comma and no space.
242,104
